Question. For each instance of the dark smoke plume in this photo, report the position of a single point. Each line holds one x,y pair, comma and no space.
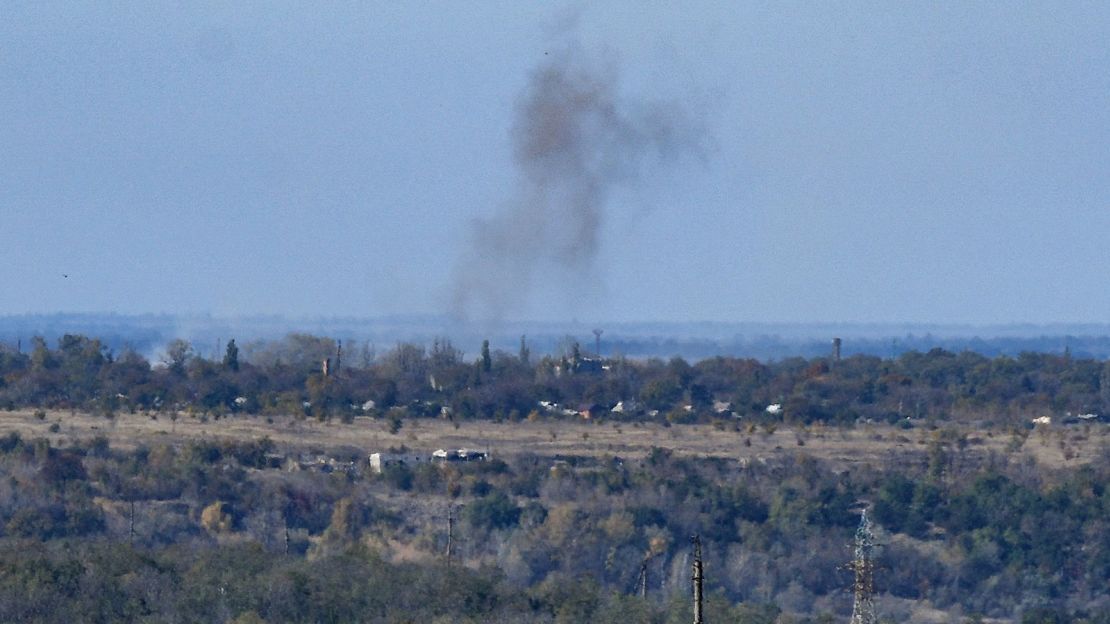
574,140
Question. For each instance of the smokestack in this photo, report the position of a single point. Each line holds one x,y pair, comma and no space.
836,350
450,533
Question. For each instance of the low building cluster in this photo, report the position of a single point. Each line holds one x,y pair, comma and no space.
380,461
318,462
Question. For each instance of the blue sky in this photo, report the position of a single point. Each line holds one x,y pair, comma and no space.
906,162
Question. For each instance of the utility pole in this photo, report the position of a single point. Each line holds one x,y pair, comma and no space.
450,533
642,581
697,579
131,525
285,523
338,355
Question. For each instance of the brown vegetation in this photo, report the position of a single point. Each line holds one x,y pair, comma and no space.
874,443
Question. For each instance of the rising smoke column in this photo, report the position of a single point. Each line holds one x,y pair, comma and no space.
574,140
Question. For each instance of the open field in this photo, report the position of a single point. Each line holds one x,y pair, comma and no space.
1053,447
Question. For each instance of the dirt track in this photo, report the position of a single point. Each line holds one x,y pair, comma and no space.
1051,447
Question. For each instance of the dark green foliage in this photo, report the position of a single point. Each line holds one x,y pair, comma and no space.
486,362
251,454
114,583
399,476
757,613
54,521
494,511
11,442
231,356
570,553
62,466
906,506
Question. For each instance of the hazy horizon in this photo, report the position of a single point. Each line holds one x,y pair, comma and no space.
149,335
448,320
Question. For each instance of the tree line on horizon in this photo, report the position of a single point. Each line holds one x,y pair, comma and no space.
289,376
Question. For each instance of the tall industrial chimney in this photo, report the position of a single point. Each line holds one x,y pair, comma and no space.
836,349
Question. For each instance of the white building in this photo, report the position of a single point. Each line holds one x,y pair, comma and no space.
459,455
379,461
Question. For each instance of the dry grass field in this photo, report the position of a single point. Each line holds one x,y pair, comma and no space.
876,444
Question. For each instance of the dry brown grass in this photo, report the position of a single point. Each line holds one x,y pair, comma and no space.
872,443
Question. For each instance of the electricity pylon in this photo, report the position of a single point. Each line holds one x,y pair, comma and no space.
863,609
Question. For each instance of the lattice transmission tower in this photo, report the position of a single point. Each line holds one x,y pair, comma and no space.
863,609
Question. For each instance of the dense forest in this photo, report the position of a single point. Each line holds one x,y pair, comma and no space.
214,530
211,532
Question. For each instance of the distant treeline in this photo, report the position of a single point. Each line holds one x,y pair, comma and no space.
148,334
315,376
770,347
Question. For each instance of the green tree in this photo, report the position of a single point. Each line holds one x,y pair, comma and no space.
41,357
525,353
178,354
494,511
487,361
660,393
231,357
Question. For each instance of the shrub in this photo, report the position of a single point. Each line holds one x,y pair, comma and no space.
217,518
495,511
